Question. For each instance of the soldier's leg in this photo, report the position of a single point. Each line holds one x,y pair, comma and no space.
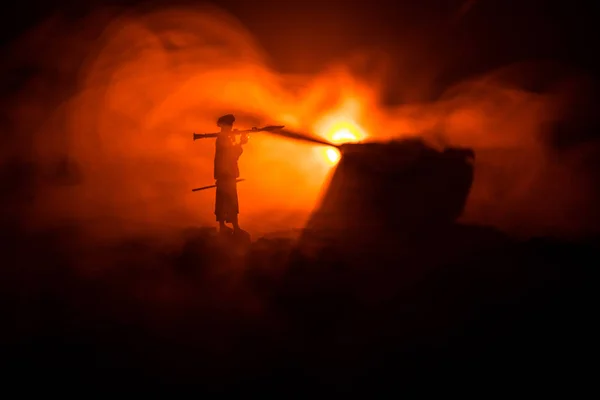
221,207
234,206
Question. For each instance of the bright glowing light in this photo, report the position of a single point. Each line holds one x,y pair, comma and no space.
338,130
343,135
333,155
340,136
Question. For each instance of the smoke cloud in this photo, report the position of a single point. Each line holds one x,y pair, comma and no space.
107,108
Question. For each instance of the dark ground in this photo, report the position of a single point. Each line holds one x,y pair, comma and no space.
458,304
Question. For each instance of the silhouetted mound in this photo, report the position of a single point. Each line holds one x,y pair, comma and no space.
458,301
395,186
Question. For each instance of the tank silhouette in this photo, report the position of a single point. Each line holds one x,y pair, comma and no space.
399,185
395,186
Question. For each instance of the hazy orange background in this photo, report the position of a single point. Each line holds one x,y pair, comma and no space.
153,78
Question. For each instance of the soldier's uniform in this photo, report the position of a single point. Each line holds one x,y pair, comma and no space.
226,172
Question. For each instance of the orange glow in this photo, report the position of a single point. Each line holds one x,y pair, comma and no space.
155,77
333,155
344,136
339,128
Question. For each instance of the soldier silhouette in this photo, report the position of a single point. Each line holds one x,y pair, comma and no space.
226,172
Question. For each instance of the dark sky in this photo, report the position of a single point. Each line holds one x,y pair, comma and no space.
302,36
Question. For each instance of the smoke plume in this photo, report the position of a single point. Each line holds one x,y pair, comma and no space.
104,109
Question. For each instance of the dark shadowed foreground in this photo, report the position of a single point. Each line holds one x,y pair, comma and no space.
376,310
462,303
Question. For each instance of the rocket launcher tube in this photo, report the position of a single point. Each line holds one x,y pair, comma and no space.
270,128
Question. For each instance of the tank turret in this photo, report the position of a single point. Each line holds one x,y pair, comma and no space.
400,185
